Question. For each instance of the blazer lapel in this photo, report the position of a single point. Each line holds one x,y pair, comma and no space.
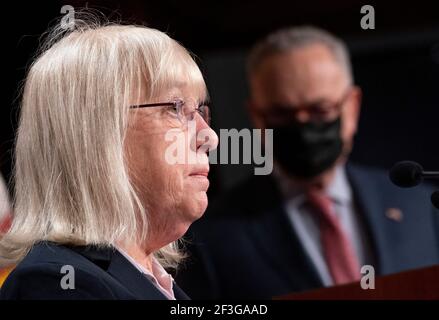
369,202
131,278
121,269
115,264
276,238
179,293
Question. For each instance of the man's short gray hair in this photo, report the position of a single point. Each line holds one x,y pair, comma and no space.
298,37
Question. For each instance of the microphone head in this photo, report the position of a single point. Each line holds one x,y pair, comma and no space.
435,199
406,174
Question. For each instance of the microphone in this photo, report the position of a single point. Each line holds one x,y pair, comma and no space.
407,174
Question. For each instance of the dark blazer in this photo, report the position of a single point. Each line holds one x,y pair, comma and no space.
245,246
99,273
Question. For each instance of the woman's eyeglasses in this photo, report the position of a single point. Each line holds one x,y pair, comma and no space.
184,111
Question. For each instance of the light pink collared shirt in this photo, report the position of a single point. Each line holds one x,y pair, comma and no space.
159,276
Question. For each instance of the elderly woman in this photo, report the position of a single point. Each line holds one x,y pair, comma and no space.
99,206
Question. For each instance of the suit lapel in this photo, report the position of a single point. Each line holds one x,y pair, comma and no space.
179,293
277,240
121,269
132,279
369,201
116,265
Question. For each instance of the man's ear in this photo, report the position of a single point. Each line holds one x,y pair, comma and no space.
357,100
355,105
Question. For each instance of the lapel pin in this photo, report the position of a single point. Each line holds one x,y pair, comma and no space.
394,214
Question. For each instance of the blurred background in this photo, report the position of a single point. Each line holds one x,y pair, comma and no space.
397,64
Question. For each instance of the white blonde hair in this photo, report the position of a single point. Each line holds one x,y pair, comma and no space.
71,179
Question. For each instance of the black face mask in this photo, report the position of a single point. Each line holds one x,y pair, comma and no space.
307,149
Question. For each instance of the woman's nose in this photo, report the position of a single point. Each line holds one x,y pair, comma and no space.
206,137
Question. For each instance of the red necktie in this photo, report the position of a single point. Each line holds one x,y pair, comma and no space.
337,249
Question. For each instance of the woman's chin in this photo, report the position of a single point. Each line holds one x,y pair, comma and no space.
198,206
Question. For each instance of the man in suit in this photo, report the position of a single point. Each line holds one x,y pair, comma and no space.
316,220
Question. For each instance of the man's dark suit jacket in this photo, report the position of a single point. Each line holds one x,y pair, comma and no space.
245,246
99,273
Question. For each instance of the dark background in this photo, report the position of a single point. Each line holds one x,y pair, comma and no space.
397,64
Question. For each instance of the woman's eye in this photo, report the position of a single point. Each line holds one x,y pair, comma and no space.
171,112
177,106
173,109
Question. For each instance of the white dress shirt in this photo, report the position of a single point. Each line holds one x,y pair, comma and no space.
159,276
306,226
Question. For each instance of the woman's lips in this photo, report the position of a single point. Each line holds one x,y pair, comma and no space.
204,172
200,176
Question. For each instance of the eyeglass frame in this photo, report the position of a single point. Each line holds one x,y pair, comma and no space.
335,105
178,104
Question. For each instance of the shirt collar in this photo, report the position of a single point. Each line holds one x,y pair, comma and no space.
338,190
159,276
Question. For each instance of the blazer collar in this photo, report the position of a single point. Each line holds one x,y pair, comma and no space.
116,265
